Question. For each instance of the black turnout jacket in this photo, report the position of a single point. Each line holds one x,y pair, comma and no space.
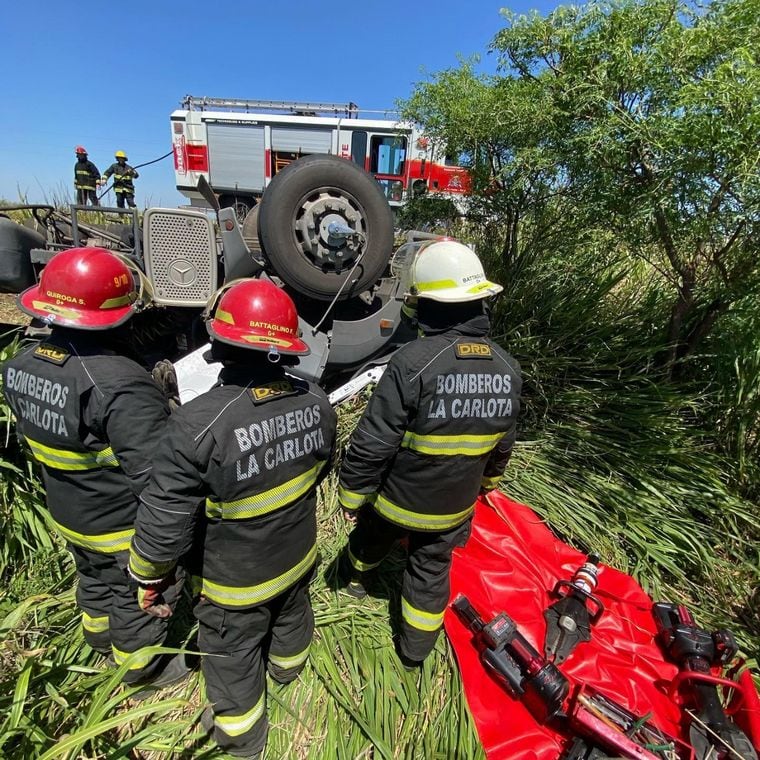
439,426
235,476
92,419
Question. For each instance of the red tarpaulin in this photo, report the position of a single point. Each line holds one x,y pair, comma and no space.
511,563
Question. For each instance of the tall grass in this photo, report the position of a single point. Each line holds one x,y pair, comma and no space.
614,458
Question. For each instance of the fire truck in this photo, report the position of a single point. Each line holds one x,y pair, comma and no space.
238,146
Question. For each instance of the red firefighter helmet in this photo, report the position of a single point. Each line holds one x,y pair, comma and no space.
84,288
80,150
257,314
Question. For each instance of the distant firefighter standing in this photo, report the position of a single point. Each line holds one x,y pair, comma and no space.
123,176
86,178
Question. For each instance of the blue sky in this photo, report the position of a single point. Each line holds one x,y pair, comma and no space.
107,75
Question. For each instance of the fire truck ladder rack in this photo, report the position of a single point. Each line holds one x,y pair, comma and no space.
351,110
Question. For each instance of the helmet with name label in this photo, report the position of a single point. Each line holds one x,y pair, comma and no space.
257,314
83,288
449,272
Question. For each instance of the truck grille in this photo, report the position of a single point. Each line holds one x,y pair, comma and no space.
180,256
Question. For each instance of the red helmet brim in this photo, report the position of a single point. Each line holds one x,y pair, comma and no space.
234,336
37,304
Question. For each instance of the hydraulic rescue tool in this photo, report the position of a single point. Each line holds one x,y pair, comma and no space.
516,665
569,619
712,732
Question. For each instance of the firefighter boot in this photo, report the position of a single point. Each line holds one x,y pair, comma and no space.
207,724
407,663
284,675
350,578
174,671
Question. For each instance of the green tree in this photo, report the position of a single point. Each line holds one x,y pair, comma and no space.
635,121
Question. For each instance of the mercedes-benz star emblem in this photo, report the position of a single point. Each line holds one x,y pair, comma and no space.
182,272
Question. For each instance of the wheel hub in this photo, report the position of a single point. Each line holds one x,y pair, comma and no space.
314,217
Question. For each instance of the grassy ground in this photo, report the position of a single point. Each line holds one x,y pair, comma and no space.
9,314
611,459
354,700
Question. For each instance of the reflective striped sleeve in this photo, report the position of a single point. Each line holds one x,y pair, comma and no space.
499,457
171,504
378,435
350,500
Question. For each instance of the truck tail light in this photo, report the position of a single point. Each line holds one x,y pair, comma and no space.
197,158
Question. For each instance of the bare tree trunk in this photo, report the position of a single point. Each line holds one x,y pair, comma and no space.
678,315
702,327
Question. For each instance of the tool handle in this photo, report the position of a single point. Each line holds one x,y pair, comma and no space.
467,614
593,605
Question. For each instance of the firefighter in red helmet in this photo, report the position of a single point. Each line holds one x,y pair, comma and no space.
239,466
91,418
86,178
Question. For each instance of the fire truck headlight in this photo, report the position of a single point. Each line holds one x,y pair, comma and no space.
397,190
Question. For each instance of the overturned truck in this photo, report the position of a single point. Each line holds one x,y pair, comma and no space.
323,231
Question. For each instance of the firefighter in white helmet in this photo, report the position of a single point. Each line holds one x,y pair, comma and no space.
439,427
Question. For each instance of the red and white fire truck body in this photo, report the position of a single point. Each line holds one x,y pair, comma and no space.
239,145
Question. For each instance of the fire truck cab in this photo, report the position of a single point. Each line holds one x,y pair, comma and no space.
238,146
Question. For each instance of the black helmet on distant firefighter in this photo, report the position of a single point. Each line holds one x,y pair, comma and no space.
256,314
448,272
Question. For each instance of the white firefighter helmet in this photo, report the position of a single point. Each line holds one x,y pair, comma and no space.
449,272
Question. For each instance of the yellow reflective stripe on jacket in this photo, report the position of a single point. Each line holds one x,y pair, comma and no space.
357,564
290,662
236,725
417,520
64,459
451,445
245,596
144,568
423,621
137,659
105,543
267,501
490,483
94,624
350,499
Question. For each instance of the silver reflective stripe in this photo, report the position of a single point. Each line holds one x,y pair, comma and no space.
267,501
451,445
244,596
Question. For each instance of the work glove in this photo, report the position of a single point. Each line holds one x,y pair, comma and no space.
150,597
165,377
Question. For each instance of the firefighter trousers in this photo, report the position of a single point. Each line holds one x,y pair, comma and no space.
238,647
425,587
85,194
124,198
112,621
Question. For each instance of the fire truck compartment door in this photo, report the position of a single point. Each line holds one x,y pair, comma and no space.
236,157
301,140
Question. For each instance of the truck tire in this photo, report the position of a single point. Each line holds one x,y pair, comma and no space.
297,207
250,230
241,203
